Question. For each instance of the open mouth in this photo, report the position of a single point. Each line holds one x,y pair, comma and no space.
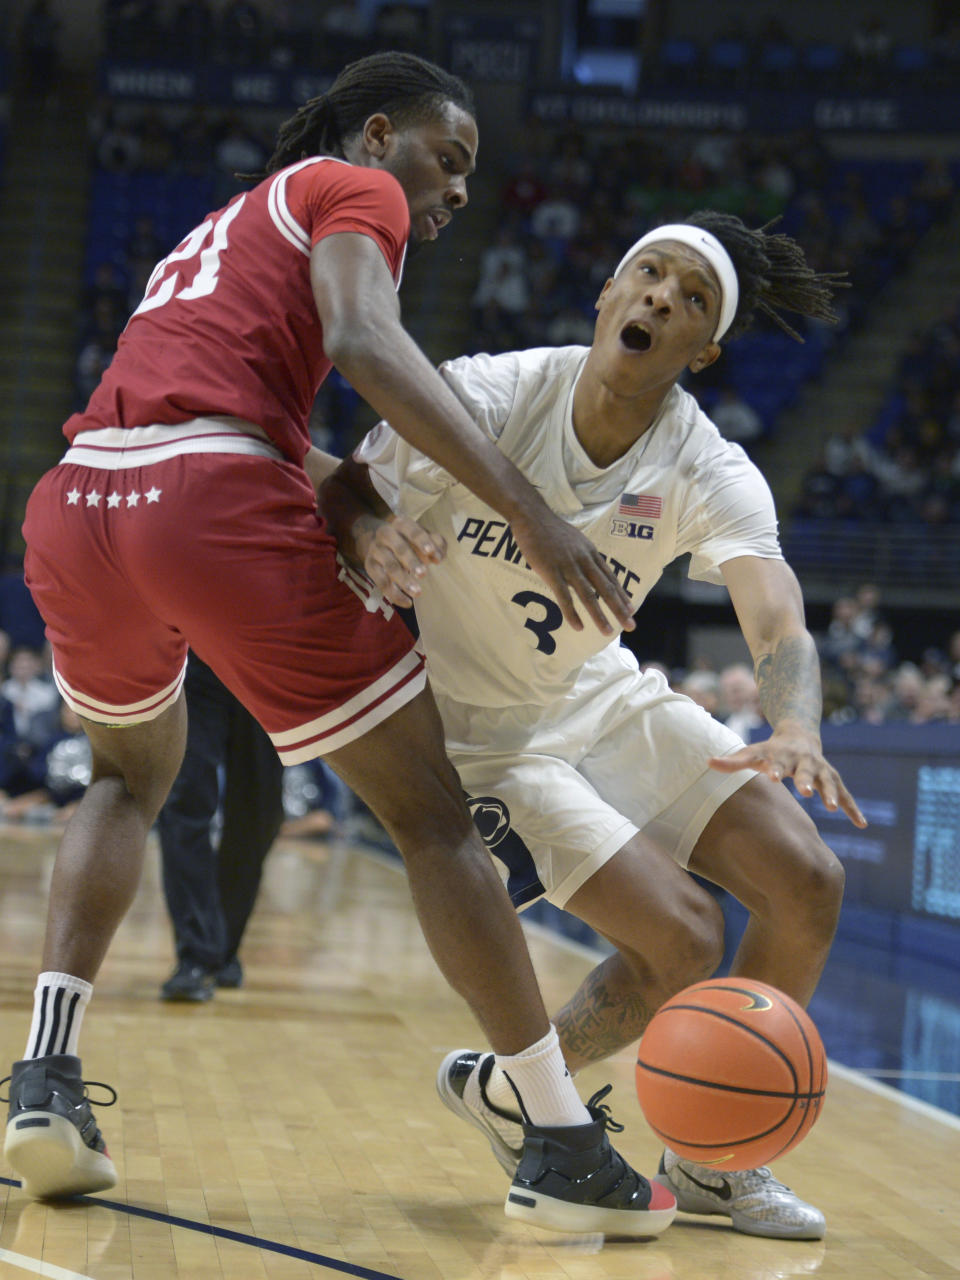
634,337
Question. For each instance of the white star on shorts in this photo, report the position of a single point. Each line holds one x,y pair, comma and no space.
133,498
113,499
73,497
153,495
93,498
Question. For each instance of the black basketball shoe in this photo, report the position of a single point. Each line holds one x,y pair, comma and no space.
571,1179
52,1137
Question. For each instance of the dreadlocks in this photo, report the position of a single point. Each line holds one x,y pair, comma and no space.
404,87
773,273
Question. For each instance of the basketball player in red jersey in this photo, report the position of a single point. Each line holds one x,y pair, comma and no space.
183,513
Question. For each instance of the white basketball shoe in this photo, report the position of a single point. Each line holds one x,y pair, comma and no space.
755,1202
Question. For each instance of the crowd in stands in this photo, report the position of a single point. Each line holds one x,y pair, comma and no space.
574,202
905,467
865,679
767,55
240,33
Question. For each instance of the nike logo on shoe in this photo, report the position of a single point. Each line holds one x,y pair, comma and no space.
723,1191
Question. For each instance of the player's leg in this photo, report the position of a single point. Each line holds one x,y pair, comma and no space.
400,770
568,1177
252,817
668,932
52,1139
100,858
762,848
188,858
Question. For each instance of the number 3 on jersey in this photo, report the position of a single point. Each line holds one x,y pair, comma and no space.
161,287
545,618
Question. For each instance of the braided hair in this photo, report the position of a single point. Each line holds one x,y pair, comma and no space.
402,86
773,273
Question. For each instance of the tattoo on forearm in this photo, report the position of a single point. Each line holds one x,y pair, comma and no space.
788,681
600,1019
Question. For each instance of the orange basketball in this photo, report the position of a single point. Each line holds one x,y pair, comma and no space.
731,1073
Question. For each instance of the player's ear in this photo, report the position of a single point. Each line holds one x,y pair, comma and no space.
705,358
377,133
603,293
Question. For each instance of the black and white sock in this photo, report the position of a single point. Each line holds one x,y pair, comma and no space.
538,1081
58,1007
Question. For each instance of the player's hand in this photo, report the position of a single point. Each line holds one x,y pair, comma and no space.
398,553
571,565
796,753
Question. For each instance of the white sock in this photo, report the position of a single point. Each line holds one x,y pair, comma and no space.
537,1082
58,1007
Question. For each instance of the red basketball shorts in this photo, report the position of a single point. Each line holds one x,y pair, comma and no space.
141,543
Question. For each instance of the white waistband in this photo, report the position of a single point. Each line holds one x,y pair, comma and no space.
120,448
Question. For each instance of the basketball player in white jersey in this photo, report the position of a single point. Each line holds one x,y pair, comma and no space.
594,784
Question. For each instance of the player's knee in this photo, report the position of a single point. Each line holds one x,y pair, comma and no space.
427,816
809,881
703,929
690,945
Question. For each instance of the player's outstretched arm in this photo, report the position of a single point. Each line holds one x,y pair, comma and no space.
766,596
393,550
364,337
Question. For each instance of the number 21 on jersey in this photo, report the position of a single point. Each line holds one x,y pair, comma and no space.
209,241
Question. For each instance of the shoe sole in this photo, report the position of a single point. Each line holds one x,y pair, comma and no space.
507,1158
52,1159
560,1215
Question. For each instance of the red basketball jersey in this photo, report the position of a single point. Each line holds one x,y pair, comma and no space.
228,323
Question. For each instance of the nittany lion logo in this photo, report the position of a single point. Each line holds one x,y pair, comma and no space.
491,818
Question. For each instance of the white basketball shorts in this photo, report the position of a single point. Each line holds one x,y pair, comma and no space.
557,791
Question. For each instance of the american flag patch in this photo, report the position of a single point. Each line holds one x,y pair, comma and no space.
641,504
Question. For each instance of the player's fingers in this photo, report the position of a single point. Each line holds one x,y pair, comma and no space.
396,581
746,758
835,796
561,591
605,588
806,778
429,548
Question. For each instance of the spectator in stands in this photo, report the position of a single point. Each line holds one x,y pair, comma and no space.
734,418
953,652
117,143
65,776
237,151
29,721
739,707
703,687
908,689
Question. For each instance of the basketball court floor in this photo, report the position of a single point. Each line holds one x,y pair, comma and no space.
291,1129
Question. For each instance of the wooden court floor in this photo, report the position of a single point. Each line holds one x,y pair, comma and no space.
291,1130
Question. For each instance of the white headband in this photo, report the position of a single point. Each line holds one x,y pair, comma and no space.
715,254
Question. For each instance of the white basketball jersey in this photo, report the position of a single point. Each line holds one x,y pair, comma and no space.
494,634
